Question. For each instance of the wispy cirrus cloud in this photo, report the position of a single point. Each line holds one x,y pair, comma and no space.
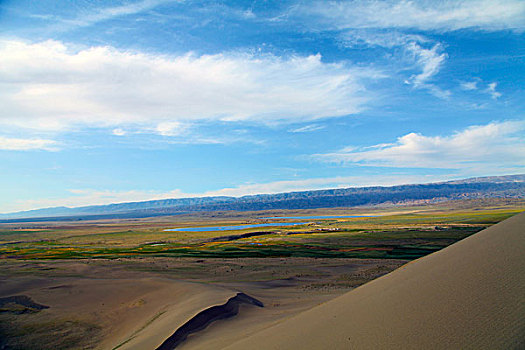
308,128
50,86
93,15
412,52
481,147
380,38
391,24
430,62
448,15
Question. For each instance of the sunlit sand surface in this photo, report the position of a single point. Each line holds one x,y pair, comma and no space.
470,295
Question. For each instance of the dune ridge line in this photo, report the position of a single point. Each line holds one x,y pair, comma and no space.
206,317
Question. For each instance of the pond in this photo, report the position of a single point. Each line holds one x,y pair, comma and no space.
229,228
319,217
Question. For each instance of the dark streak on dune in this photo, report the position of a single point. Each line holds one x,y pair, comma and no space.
205,317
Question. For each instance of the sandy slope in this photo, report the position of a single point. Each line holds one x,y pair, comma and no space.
470,295
151,329
132,313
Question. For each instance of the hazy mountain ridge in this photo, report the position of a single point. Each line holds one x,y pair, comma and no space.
512,186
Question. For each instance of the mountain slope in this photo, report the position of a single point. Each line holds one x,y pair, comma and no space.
512,186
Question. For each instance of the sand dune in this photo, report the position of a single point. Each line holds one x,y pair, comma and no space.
470,295
206,317
131,313
185,300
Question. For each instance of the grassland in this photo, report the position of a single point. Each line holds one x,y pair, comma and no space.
409,234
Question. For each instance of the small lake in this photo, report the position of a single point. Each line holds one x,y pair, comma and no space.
319,217
228,228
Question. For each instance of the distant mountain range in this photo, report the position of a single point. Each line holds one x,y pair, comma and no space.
511,186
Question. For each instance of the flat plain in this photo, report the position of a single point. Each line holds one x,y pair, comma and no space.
128,283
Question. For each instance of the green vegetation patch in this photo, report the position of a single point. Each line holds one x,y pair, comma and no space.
401,236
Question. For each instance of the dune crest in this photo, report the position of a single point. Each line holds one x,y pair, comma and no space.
206,317
470,295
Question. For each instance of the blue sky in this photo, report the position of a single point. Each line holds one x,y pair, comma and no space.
112,101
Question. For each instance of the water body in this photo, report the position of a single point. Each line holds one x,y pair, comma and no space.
319,217
228,228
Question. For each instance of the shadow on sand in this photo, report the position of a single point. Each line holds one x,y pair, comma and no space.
205,317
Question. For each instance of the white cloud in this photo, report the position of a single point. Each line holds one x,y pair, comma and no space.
491,89
171,128
17,144
47,86
469,85
119,132
495,145
447,15
430,61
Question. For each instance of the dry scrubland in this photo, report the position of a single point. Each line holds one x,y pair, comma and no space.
128,284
